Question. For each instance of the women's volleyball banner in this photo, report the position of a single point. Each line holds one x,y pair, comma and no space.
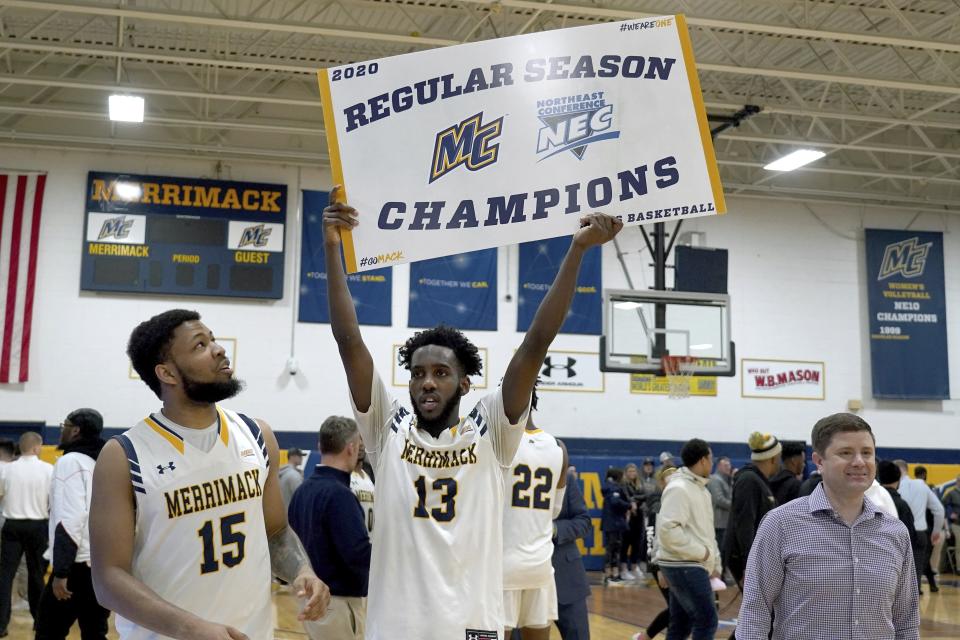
513,140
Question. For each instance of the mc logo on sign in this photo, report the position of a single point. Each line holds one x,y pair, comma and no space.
468,143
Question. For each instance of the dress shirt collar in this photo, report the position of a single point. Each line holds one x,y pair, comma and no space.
820,502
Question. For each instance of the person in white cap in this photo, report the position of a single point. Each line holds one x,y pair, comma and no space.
752,499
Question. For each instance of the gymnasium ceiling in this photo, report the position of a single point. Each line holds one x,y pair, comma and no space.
875,83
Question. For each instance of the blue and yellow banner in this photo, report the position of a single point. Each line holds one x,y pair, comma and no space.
539,262
371,290
459,290
908,314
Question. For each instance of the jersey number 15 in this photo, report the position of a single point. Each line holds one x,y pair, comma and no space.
227,537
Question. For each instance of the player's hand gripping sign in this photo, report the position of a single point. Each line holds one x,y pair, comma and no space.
511,140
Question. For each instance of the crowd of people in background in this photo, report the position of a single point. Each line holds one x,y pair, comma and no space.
777,474
688,525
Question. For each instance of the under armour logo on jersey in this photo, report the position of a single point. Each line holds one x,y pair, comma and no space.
549,366
165,467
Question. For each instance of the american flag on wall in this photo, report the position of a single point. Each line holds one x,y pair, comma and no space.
21,201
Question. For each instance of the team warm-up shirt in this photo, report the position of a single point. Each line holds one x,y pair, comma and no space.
531,490
201,541
436,570
362,487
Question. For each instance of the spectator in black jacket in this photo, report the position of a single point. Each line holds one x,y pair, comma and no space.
785,484
613,524
634,538
888,475
69,596
752,499
572,523
330,522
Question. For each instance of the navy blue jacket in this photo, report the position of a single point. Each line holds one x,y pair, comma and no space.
615,507
329,520
573,522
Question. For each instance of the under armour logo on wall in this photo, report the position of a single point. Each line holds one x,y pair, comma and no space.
167,467
549,366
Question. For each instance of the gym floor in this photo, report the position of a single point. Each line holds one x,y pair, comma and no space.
616,613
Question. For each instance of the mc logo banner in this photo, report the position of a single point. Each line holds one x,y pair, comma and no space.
512,140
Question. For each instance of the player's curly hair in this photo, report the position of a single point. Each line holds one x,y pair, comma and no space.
149,343
467,355
534,399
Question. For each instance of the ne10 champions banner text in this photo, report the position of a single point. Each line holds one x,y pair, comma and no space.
908,314
512,140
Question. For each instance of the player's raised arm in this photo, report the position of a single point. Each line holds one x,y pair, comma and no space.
112,524
521,374
357,362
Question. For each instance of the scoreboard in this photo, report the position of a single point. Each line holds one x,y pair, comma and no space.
158,234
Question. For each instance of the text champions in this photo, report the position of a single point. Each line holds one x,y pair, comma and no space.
503,74
574,198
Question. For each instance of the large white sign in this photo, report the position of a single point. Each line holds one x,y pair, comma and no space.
511,140
784,379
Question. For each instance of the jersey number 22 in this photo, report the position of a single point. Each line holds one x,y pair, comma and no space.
541,492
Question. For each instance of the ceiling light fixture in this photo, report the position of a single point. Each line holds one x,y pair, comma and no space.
795,160
126,108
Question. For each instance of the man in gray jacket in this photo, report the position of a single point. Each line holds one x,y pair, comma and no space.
291,477
721,492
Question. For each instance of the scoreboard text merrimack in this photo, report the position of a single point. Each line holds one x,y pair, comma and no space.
161,234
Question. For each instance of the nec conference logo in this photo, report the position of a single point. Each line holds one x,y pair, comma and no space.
907,258
572,123
468,143
118,228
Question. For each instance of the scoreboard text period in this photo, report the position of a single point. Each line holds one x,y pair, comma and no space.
158,234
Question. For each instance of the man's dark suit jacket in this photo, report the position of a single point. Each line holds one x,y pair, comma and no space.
572,523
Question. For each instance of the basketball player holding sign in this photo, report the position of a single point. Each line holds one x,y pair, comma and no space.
534,496
436,571
186,519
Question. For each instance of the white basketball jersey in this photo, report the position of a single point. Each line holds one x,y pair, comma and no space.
530,494
200,540
362,487
436,570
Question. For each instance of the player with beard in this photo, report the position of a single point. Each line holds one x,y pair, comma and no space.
187,520
436,570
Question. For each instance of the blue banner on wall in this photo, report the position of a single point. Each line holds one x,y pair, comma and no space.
539,263
371,290
908,314
459,290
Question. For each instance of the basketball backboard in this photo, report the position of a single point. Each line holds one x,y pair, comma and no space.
640,327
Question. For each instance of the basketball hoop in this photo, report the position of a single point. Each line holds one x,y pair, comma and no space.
679,370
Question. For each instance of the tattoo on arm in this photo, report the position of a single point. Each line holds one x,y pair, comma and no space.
287,555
